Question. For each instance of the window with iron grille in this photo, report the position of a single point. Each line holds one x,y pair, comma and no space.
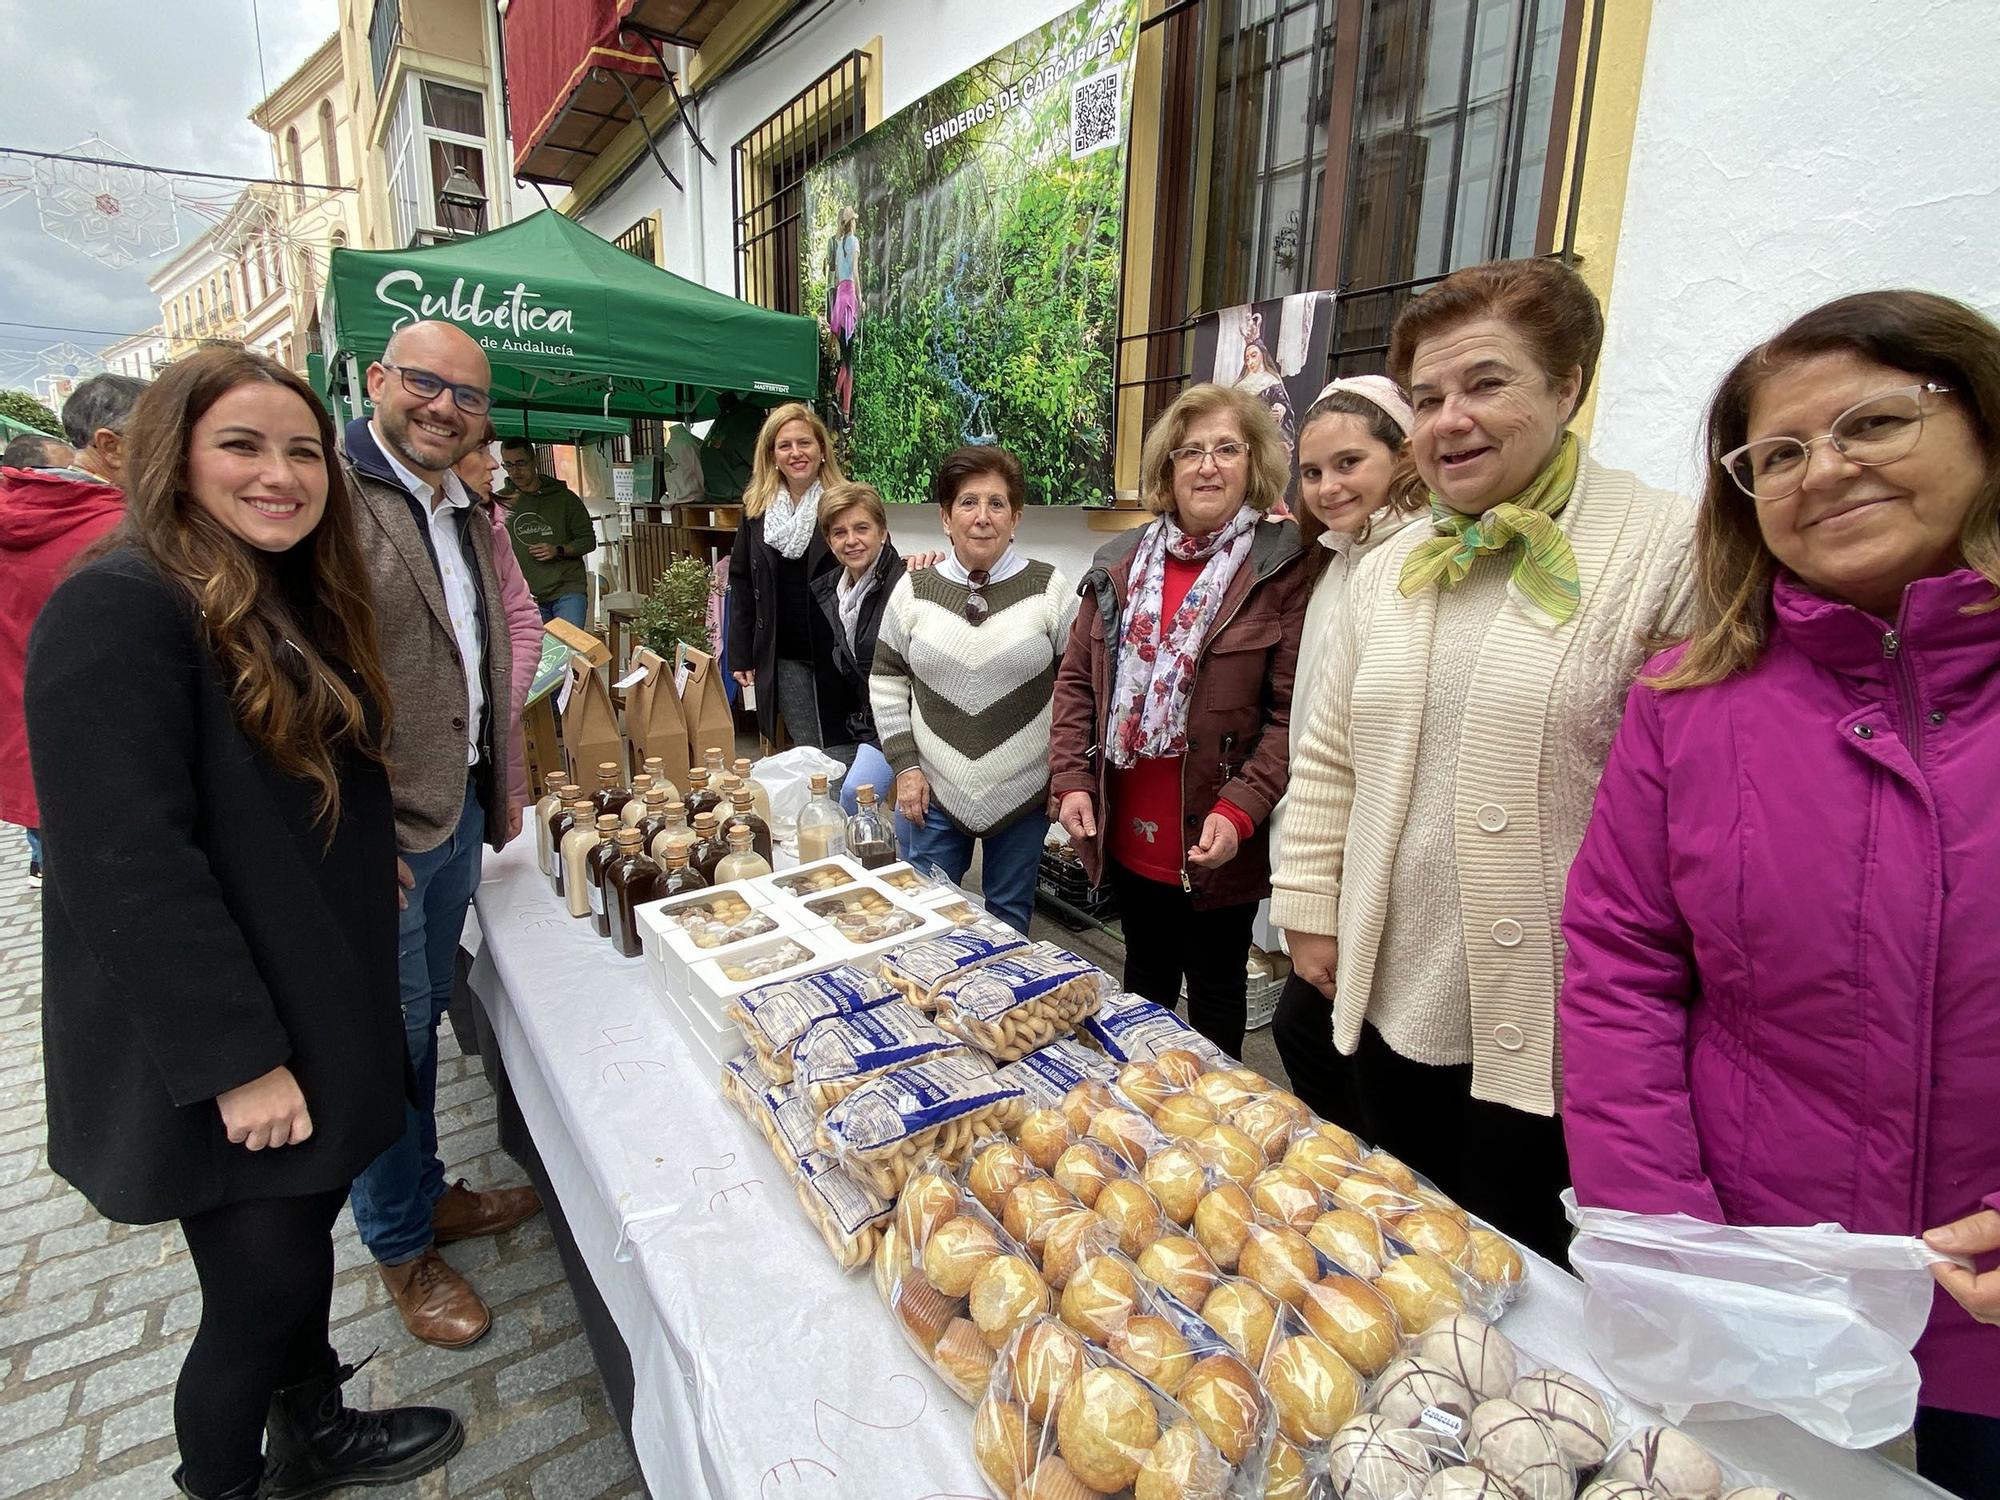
640,240
770,164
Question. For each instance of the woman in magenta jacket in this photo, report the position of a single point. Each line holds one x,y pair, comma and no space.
1782,1002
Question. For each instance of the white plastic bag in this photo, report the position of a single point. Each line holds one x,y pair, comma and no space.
787,777
1713,1321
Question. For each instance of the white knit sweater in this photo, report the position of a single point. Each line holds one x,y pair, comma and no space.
1543,704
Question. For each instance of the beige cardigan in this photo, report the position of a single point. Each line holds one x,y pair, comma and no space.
1545,703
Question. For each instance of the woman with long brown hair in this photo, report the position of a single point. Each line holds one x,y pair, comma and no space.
220,1018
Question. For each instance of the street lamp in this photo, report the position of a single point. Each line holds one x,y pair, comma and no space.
461,203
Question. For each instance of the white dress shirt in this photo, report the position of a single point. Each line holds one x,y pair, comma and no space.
461,589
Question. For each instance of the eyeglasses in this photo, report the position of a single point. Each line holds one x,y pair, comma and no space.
473,400
976,607
1226,455
1877,431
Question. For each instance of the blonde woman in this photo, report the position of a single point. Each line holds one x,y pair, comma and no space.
1173,704
780,647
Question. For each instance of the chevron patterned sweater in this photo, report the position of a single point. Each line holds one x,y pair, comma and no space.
969,704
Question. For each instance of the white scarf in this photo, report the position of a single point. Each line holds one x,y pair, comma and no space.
850,594
954,571
789,524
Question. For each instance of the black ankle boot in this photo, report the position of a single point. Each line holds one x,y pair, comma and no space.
319,1443
249,1489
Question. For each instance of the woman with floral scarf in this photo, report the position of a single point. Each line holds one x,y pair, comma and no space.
1173,704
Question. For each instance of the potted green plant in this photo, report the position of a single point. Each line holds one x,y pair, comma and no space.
676,609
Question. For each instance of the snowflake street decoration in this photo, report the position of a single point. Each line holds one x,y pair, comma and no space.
113,213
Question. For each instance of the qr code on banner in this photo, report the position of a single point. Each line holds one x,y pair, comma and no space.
1093,113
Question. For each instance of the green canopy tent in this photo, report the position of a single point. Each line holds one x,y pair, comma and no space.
508,422
574,326
11,429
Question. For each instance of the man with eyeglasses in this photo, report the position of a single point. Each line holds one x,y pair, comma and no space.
551,531
446,652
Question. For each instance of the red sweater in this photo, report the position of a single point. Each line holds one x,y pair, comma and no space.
1143,821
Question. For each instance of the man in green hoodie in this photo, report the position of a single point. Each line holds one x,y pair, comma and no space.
551,532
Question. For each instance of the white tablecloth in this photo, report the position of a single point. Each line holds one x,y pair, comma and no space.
760,1371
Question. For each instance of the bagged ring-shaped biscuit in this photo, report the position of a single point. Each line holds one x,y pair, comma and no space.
774,1016
850,1216
917,969
890,1123
1020,1001
842,1052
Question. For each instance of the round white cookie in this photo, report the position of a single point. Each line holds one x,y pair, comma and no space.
1409,1386
1478,1355
1369,1457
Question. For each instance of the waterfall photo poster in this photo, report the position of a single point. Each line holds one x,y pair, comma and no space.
963,260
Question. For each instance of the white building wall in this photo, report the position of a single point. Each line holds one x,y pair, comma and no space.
924,43
1786,153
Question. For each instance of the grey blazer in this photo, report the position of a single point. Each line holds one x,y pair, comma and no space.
427,761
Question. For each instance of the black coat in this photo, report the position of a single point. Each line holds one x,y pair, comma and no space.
857,715
753,627
197,929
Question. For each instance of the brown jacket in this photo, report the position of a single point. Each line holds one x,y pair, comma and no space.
427,759
1238,717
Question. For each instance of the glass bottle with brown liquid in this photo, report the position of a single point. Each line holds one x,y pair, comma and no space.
632,880
741,812
576,847
709,846
701,797
759,798
550,804
742,862
635,808
611,795
871,837
594,865
677,876
561,821
822,829
673,820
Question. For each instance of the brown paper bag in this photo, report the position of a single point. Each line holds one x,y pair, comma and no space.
590,726
653,721
705,706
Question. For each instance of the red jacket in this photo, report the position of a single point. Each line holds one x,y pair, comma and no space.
47,516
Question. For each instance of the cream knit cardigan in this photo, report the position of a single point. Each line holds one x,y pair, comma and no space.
1545,703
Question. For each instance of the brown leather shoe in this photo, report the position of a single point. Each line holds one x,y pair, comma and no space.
438,1305
462,1214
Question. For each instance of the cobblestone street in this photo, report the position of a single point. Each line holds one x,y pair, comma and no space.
95,1317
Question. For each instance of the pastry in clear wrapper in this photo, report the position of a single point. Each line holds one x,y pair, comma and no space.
1432,1230
1351,1240
1045,1135
1032,1207
1001,1445
1312,1388
1229,1151
1130,1210
956,1252
963,1358
1350,1315
1176,1265
918,969
1154,1347
927,1200
1509,1441
1464,1482
1410,1387
995,1171
1106,1426
1287,1195
1070,1239
841,1052
1044,1363
1670,1461
1182,1465
1370,1457
892,1264
1084,1168
849,1216
1185,1116
1285,1475
1174,1177
1422,1290
1494,1260
1244,1316
1224,1090
1053,1480
1391,1170
1476,1354
1222,1222
1268,1122
1319,1160
1125,1132
1099,1297
1279,1260
923,1310
1082,1103
1371,1194
1006,1294
1575,1413
1223,1399
1146,1085
1181,1066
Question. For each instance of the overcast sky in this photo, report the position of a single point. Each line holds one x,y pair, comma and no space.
169,83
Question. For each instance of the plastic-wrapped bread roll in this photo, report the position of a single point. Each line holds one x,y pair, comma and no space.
1226,1403
1177,1266
773,1017
917,969
1351,1240
1001,1443
1106,1427
1244,1316
1017,1002
1422,1289
993,1170
882,1130
1351,1316
1313,1388
842,1052
1156,1349
1175,1178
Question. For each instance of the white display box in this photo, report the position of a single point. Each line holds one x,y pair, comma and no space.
711,1041
671,950
710,987
785,885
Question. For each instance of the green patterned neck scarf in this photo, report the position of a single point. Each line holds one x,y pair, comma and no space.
1544,573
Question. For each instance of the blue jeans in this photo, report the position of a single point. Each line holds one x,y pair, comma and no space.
35,842
1010,855
871,768
395,1193
570,607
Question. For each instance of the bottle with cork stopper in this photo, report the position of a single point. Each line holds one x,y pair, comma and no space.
632,880
677,876
560,822
611,794
550,803
709,846
871,838
713,763
595,864
655,816
742,862
635,807
759,798
576,847
822,829
673,819
701,797
656,768
742,811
